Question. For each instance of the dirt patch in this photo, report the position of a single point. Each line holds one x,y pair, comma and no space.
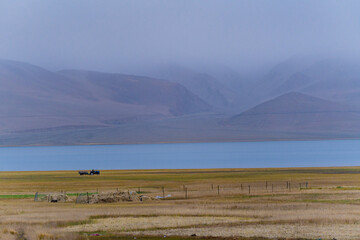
112,197
57,197
274,231
121,224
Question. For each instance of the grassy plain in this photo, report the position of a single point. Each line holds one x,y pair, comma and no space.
218,204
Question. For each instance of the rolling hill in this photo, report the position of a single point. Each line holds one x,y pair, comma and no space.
137,90
334,79
300,101
297,112
35,99
207,87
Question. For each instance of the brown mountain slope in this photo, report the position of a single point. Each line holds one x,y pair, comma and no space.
298,112
130,89
34,98
203,85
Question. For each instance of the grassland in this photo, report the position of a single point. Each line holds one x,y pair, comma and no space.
218,204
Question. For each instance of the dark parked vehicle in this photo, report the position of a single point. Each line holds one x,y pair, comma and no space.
92,172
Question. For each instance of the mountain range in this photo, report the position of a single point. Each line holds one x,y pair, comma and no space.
298,112
298,99
33,98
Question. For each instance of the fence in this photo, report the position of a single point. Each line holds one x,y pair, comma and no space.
184,191
51,197
82,198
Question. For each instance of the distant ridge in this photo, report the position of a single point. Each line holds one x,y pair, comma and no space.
294,101
203,85
130,89
33,98
295,112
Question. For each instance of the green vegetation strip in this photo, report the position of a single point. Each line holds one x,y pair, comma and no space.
21,196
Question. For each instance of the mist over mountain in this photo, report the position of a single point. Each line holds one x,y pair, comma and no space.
35,98
298,112
138,90
331,78
121,36
177,71
204,85
317,99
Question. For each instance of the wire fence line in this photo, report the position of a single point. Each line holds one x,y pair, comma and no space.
191,191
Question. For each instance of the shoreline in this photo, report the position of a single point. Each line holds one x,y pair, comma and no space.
182,142
197,170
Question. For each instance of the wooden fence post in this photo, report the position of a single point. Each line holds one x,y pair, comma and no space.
186,193
289,187
218,190
163,192
241,187
212,186
266,185
272,187
139,189
87,194
249,188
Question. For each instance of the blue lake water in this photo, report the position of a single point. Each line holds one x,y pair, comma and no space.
187,155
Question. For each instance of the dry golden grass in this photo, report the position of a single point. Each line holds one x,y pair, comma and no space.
150,222
324,210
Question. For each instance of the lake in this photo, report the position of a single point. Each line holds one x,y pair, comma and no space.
184,155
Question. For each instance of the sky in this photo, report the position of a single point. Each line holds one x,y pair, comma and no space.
116,35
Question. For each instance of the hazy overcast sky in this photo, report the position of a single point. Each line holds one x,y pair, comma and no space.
112,35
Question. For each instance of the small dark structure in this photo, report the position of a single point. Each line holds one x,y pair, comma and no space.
92,172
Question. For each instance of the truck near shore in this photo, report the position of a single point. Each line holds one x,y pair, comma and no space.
92,172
